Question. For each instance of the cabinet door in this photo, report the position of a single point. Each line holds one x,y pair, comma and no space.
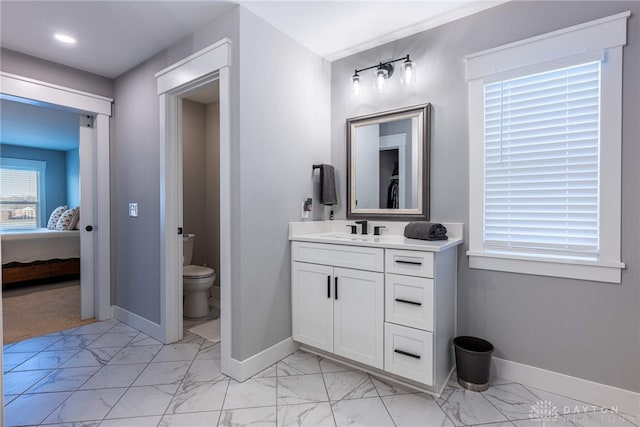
312,304
359,316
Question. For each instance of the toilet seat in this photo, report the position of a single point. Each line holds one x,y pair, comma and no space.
197,272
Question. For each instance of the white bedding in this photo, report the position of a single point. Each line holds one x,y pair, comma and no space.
39,245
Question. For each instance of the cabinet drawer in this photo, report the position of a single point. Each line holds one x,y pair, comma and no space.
412,263
409,301
408,353
358,257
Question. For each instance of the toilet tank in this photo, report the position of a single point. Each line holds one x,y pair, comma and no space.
187,248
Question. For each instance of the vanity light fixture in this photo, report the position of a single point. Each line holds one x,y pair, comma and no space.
384,71
355,82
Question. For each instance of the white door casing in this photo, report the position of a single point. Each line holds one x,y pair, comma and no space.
100,108
203,67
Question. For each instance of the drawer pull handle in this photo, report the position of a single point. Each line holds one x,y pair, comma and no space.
404,353
329,287
401,261
408,302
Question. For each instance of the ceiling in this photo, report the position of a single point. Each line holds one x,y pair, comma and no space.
336,29
115,36
34,126
112,36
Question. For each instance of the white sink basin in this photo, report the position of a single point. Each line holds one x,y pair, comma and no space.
350,237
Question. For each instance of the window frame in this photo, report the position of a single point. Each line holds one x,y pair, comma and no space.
39,166
600,39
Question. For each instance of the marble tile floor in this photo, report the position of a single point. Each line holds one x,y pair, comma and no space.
109,374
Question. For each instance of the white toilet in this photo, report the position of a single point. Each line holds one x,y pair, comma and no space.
196,281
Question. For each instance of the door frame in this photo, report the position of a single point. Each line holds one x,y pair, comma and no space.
203,67
99,107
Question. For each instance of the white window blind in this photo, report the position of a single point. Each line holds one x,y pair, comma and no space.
541,162
21,193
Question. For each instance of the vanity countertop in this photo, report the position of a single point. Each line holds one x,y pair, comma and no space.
392,237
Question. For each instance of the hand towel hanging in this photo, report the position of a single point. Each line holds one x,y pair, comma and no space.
328,195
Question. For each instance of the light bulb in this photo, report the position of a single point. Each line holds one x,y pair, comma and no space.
63,38
408,72
355,82
380,84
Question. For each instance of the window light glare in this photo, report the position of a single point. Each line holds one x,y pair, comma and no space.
63,38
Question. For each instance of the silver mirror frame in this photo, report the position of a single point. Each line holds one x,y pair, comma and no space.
423,112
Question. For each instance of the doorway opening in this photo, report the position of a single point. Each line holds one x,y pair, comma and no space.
40,204
209,65
200,142
91,114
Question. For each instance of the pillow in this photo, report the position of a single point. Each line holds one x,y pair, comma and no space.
55,216
68,220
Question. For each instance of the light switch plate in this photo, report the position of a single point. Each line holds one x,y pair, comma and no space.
133,210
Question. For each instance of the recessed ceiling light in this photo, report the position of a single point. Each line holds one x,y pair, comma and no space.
64,38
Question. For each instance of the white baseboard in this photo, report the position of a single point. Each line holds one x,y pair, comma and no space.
598,394
140,323
243,370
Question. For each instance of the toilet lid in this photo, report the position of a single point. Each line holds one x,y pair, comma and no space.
197,271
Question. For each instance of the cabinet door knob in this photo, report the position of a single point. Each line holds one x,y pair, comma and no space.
89,228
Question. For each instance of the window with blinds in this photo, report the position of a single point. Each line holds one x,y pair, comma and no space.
541,162
21,183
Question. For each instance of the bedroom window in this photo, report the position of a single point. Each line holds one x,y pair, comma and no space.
22,192
545,153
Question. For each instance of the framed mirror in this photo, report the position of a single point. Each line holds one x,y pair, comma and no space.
388,165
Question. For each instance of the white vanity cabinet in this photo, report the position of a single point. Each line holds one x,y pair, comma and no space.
336,309
387,303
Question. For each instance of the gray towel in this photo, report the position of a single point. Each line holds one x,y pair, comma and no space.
328,185
426,231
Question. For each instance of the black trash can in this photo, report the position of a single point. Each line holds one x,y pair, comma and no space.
473,362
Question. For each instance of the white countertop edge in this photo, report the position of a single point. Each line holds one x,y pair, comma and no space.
312,231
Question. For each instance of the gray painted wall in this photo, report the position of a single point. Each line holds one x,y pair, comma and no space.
285,128
579,328
136,169
24,65
280,126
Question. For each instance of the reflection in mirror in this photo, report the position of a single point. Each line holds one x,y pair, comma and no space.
388,165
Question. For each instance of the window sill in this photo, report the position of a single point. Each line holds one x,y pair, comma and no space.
597,271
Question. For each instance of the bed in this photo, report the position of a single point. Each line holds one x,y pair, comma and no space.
39,254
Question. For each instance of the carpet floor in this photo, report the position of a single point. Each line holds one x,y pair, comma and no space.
33,311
